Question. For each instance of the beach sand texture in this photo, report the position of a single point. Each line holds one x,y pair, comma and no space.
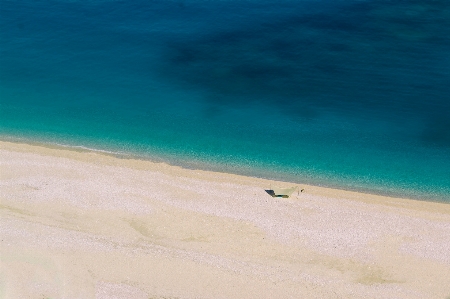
80,224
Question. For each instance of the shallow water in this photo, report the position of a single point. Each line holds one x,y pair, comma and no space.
348,94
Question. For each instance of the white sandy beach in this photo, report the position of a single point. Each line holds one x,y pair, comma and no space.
79,224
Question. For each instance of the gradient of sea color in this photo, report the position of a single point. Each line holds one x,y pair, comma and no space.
342,93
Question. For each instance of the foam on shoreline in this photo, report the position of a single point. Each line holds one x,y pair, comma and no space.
195,164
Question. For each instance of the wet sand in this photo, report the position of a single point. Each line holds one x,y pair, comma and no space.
80,224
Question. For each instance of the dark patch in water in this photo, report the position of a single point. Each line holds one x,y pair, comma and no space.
380,59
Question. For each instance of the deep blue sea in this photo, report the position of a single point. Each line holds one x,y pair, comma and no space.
343,93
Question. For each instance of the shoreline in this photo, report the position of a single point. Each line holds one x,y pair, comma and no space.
215,168
88,224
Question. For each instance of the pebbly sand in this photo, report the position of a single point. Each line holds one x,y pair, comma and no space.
79,224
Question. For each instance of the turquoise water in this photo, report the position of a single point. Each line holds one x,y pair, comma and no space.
347,94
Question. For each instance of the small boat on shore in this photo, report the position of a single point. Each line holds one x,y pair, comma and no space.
282,192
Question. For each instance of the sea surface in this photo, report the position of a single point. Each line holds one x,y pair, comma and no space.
346,94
